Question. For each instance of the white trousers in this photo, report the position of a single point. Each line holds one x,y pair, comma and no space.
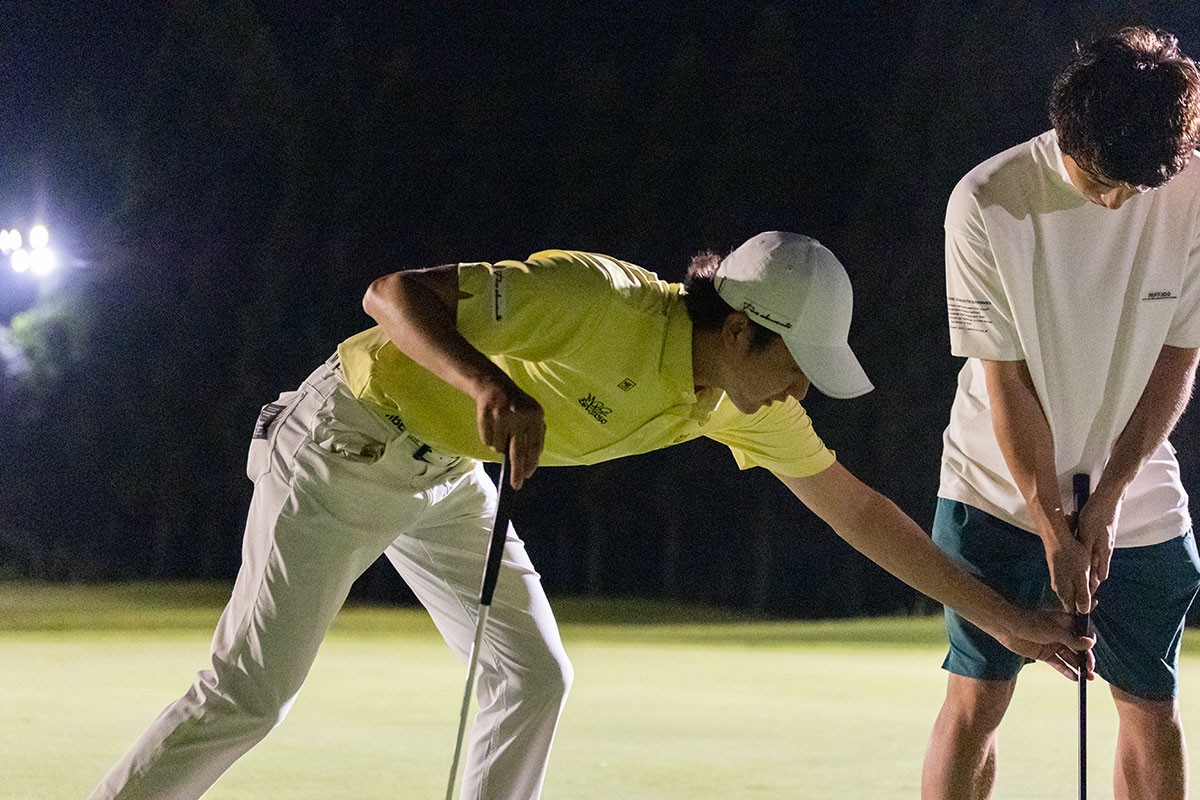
335,487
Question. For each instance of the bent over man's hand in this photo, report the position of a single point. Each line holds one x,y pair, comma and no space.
513,424
417,310
1042,636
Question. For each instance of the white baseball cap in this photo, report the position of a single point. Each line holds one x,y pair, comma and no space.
792,285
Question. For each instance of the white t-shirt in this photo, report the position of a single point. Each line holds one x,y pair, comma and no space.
1087,297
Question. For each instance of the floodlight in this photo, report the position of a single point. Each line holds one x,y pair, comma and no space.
39,237
5,242
20,261
43,261
14,239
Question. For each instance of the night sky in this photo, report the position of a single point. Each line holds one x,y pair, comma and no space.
223,179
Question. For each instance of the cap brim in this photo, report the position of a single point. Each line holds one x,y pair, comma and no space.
835,371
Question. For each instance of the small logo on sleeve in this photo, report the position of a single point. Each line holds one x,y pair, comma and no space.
499,299
1160,296
596,408
969,314
626,385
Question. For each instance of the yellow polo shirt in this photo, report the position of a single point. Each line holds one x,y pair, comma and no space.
603,345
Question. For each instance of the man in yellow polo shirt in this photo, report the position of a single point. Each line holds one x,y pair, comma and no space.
564,358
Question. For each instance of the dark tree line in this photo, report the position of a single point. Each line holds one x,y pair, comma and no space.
239,179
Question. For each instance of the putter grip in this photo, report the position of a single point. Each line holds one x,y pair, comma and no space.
1081,483
491,570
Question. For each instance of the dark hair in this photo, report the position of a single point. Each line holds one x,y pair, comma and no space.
1127,107
706,308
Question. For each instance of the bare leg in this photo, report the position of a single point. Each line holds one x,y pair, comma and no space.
1151,751
960,763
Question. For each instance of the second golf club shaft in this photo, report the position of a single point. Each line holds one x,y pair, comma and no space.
491,573
1082,485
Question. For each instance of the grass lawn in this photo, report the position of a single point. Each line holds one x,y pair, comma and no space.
668,703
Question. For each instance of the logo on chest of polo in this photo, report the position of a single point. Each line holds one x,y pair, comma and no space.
596,407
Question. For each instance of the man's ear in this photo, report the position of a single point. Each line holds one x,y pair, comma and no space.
735,331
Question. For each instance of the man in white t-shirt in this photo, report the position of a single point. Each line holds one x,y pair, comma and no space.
1073,289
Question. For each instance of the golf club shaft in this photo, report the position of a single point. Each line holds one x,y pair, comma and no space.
1082,624
465,710
491,573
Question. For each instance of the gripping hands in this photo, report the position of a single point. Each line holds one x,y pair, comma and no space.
1079,556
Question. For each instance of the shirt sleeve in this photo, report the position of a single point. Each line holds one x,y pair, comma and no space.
980,318
535,310
1185,325
778,437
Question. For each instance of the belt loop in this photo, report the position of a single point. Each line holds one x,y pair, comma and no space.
418,449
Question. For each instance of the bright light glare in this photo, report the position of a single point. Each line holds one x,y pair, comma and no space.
38,258
43,261
21,261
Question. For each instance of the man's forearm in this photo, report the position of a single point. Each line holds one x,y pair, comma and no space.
417,310
877,528
1162,403
1027,444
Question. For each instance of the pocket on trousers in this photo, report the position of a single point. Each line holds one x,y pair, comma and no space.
266,431
347,444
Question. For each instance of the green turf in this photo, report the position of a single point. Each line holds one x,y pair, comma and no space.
668,703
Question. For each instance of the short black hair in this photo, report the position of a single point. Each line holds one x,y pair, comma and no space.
705,307
1127,107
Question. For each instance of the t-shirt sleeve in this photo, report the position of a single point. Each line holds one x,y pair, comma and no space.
778,437
1185,325
980,318
534,310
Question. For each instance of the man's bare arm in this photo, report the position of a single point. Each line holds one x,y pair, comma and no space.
1027,444
878,529
1162,403
418,312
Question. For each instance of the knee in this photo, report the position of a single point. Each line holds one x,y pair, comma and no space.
553,677
545,681
1154,717
566,675
977,706
253,706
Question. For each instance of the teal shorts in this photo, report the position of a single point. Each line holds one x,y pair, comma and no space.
1138,621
